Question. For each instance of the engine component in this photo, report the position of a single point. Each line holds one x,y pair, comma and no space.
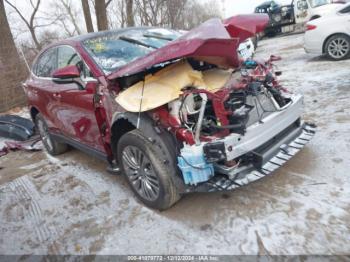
200,118
193,165
214,152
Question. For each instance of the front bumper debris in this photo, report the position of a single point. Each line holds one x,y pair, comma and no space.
271,159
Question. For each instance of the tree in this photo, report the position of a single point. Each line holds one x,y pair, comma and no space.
29,23
101,14
8,51
130,13
69,13
10,66
87,16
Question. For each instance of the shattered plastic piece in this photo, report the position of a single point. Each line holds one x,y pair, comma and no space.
29,145
16,127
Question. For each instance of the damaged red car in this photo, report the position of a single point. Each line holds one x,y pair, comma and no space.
176,113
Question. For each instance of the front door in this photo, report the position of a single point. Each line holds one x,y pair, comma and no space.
77,113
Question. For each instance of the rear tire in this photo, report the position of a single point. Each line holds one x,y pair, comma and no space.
338,47
147,173
53,147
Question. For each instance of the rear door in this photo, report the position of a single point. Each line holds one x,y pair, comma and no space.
40,88
77,113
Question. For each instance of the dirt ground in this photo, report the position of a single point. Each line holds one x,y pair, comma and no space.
71,205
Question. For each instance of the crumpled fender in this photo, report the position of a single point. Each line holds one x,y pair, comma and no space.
158,136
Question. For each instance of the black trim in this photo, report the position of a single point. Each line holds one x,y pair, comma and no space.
84,148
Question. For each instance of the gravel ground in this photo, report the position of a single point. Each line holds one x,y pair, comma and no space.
71,205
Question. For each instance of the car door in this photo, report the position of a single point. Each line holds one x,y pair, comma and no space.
40,89
301,11
77,113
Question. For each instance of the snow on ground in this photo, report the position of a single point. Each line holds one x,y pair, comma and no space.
71,205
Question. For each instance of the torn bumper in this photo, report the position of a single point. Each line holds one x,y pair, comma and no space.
265,160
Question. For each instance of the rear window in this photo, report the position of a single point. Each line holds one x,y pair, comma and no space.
46,63
114,49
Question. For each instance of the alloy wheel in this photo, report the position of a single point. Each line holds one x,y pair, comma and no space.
45,136
338,48
140,172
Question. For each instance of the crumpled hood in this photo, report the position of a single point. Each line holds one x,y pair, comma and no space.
214,42
245,26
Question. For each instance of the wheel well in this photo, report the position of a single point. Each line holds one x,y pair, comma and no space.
119,128
325,41
33,113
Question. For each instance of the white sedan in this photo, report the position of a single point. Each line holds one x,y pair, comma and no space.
329,35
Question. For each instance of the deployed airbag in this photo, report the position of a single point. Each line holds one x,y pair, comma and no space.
168,84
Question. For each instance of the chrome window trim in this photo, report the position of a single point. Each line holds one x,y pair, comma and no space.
85,80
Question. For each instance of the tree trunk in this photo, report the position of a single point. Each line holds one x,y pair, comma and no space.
11,69
8,51
87,16
101,15
130,13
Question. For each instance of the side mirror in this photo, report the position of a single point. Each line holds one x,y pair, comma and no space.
68,72
67,75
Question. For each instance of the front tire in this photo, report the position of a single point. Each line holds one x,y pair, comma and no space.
338,47
147,173
53,147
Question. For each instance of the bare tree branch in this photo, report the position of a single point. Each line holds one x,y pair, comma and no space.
30,23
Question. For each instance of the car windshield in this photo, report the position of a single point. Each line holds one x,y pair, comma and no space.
317,3
115,49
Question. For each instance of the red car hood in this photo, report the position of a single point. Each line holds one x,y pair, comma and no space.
245,26
214,42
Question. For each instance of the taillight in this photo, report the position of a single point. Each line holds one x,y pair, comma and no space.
310,27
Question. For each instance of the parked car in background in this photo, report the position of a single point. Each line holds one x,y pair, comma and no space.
329,35
286,18
177,113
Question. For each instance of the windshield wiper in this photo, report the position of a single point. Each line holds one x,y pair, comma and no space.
137,42
158,37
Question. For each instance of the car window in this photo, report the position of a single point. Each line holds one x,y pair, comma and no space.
345,10
68,56
46,63
317,3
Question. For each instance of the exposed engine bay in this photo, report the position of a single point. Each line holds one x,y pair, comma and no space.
225,121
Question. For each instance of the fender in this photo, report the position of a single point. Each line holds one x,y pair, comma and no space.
157,135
